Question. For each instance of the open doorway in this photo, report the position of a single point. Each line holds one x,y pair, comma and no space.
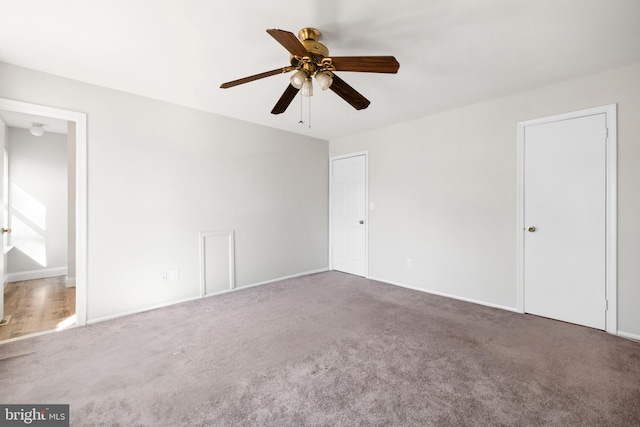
39,291
44,219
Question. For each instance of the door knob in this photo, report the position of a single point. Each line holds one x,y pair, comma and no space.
361,221
6,230
531,229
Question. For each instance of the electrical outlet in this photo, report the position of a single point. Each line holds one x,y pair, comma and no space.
410,262
164,276
174,274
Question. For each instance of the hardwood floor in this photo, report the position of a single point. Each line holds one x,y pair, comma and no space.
36,306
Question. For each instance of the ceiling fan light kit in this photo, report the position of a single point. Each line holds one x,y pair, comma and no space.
298,79
324,79
310,58
307,87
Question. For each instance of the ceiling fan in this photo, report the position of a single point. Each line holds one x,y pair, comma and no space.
310,58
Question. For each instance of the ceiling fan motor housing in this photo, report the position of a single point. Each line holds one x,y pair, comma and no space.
309,38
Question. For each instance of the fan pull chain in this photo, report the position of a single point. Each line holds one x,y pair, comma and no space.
309,113
301,122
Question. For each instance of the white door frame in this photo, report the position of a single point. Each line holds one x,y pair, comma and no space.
80,120
366,206
611,280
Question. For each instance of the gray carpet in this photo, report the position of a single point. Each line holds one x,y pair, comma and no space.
328,349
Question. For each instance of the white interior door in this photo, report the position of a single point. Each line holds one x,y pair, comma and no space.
565,220
348,214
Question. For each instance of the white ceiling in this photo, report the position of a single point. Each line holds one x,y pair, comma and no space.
451,52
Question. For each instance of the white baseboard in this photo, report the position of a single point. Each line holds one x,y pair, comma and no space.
36,274
70,282
139,310
442,294
502,307
628,336
253,285
293,276
169,303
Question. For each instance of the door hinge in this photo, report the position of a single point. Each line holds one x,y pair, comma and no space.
606,132
606,304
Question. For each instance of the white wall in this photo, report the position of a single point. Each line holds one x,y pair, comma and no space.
37,175
159,174
444,189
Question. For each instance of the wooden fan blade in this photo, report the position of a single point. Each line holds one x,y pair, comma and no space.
256,77
349,94
289,41
284,101
366,64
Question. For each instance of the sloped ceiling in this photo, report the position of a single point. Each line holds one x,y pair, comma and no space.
451,52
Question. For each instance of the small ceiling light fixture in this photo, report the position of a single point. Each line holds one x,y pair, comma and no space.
36,129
